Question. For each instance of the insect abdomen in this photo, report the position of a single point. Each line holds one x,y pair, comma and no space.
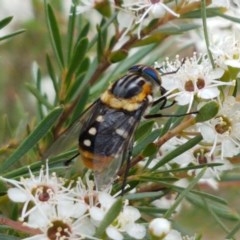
104,138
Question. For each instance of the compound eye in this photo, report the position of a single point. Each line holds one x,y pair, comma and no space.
151,74
135,68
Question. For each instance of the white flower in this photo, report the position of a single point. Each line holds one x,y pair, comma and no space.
224,129
87,5
204,155
194,78
70,213
167,201
199,155
173,235
55,222
99,203
93,9
156,8
226,52
42,189
211,182
183,159
125,222
104,202
113,233
52,208
159,227
147,9
220,3
125,21
85,193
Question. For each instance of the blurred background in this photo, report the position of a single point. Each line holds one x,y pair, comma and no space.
17,56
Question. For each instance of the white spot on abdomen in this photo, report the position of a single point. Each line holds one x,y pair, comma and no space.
87,142
99,118
121,132
92,131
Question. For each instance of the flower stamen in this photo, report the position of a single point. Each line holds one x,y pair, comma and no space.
189,86
58,230
223,125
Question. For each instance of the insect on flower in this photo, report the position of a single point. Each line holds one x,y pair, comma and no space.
106,128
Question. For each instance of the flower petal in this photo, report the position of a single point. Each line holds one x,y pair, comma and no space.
17,195
136,231
159,227
113,233
208,93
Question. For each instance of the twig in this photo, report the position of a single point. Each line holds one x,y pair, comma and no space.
19,226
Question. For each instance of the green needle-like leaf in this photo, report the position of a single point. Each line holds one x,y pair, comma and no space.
4,22
111,215
183,148
40,131
52,75
12,34
54,34
207,112
184,193
77,58
143,143
38,95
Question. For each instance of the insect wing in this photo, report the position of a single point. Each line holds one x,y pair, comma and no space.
106,176
68,140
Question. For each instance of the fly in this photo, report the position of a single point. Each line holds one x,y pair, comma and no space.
107,127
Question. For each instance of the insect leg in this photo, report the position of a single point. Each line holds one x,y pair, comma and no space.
160,69
125,174
163,101
127,156
157,115
69,161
